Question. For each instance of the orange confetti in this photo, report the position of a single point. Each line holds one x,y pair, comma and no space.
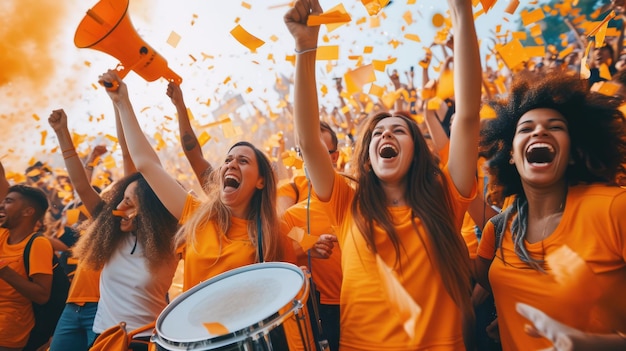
413,37
335,15
246,39
400,301
487,4
532,16
512,6
327,53
512,53
215,328
173,39
36,117
374,6
246,5
408,17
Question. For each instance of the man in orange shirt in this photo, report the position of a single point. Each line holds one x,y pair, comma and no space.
21,211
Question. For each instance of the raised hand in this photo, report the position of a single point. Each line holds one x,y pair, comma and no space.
296,18
58,120
111,77
175,93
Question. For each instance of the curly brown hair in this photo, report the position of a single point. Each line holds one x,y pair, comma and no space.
596,129
155,231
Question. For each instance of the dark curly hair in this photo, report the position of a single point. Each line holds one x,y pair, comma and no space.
155,231
596,129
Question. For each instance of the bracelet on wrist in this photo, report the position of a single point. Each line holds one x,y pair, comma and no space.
65,157
305,50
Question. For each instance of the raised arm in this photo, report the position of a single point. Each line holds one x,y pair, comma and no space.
128,164
75,169
145,158
467,91
93,158
191,147
306,109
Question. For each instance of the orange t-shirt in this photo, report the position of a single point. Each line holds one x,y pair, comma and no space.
587,293
16,312
287,189
214,253
366,320
85,286
326,273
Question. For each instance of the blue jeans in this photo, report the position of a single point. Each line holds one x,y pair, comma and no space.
74,330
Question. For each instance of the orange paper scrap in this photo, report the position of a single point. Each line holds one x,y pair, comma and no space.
246,39
306,241
355,79
606,88
413,37
337,14
532,16
71,216
510,9
512,53
573,274
330,52
400,301
487,4
173,39
215,328
374,6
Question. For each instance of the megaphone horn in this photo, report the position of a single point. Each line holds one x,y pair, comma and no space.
107,28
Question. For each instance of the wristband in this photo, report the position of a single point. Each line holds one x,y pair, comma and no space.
305,50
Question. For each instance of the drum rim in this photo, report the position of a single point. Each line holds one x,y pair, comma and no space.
253,331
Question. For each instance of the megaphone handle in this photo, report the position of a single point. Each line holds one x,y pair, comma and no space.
121,72
173,77
110,86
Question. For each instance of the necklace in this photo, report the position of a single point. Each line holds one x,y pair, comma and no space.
395,202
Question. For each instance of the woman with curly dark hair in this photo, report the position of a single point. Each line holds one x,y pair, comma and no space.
130,239
557,149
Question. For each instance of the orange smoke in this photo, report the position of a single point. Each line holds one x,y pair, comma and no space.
27,37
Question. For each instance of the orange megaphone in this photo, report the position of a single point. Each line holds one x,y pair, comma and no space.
107,28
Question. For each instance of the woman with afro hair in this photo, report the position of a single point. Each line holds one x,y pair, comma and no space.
557,255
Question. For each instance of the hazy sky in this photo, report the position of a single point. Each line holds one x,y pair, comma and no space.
43,70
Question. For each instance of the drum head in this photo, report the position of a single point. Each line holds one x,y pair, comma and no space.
230,302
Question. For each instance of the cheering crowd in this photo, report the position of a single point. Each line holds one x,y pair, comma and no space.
476,211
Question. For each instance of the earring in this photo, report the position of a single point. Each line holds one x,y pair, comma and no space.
511,161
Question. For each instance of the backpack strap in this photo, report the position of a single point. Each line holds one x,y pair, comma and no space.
499,224
29,244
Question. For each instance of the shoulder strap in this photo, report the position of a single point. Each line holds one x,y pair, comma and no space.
498,226
499,223
27,254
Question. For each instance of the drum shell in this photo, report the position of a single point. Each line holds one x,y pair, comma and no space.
276,331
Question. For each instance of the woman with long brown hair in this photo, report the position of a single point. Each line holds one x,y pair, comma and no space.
404,214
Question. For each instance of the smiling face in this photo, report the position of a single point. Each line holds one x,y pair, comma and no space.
240,179
391,149
129,206
541,147
11,210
